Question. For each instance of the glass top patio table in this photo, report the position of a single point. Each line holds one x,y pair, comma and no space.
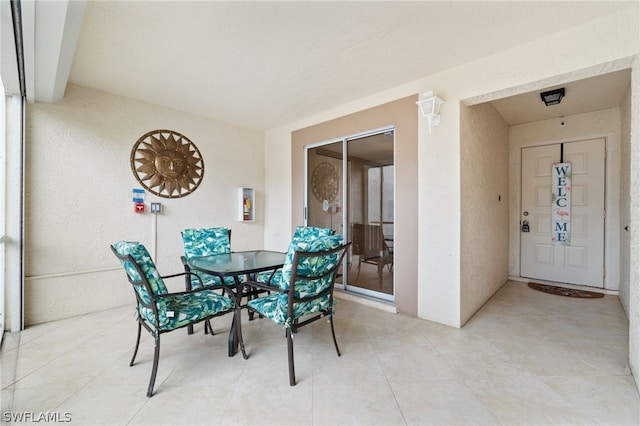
235,265
238,263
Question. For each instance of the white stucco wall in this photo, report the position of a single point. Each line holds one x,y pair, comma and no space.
599,124
484,225
277,157
625,193
600,46
634,220
79,191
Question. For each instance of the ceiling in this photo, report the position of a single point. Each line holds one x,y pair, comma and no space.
590,94
264,64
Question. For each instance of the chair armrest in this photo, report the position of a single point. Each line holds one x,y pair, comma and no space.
188,276
265,286
188,291
187,269
179,274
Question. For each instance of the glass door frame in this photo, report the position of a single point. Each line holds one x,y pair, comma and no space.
3,162
346,232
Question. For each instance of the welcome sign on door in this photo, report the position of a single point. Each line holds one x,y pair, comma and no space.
561,204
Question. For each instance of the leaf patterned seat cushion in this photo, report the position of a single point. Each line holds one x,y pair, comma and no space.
302,233
175,311
206,242
274,306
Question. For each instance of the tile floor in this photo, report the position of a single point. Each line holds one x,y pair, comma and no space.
526,358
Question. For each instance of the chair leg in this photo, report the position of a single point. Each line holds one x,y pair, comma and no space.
135,351
207,327
292,370
380,271
333,333
154,370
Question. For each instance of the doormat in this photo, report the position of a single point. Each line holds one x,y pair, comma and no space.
562,291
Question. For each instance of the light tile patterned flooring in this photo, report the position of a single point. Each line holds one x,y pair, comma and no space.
526,358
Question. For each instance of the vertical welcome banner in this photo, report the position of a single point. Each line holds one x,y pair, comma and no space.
561,204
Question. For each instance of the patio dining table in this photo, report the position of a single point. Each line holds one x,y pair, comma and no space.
238,265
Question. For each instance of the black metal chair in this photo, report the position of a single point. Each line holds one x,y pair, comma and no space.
159,311
305,291
204,242
210,242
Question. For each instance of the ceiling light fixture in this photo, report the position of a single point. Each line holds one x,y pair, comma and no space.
552,97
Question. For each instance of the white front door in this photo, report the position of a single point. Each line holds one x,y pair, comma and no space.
582,261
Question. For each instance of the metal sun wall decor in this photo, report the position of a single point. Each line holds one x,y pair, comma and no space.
167,163
324,182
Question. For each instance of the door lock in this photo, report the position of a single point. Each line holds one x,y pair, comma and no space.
525,226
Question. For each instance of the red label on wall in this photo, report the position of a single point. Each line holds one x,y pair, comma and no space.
138,207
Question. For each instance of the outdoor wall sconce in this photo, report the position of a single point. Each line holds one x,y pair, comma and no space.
552,97
430,108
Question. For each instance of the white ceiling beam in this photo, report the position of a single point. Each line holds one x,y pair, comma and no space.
55,32
49,31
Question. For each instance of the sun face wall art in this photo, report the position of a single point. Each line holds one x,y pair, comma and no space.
167,163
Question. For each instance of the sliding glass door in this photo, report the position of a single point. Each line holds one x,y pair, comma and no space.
350,188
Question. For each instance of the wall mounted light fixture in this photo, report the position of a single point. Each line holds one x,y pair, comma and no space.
552,97
430,108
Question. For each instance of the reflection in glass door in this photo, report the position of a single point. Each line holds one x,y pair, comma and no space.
324,187
360,207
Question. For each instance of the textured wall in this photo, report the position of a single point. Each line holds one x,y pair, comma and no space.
401,114
598,124
595,48
634,278
599,46
78,197
484,222
625,194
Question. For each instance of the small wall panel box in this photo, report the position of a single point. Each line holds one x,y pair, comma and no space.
246,204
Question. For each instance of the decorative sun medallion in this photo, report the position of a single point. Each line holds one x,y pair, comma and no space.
167,164
324,182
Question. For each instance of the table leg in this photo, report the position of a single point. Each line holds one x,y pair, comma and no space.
236,324
234,333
